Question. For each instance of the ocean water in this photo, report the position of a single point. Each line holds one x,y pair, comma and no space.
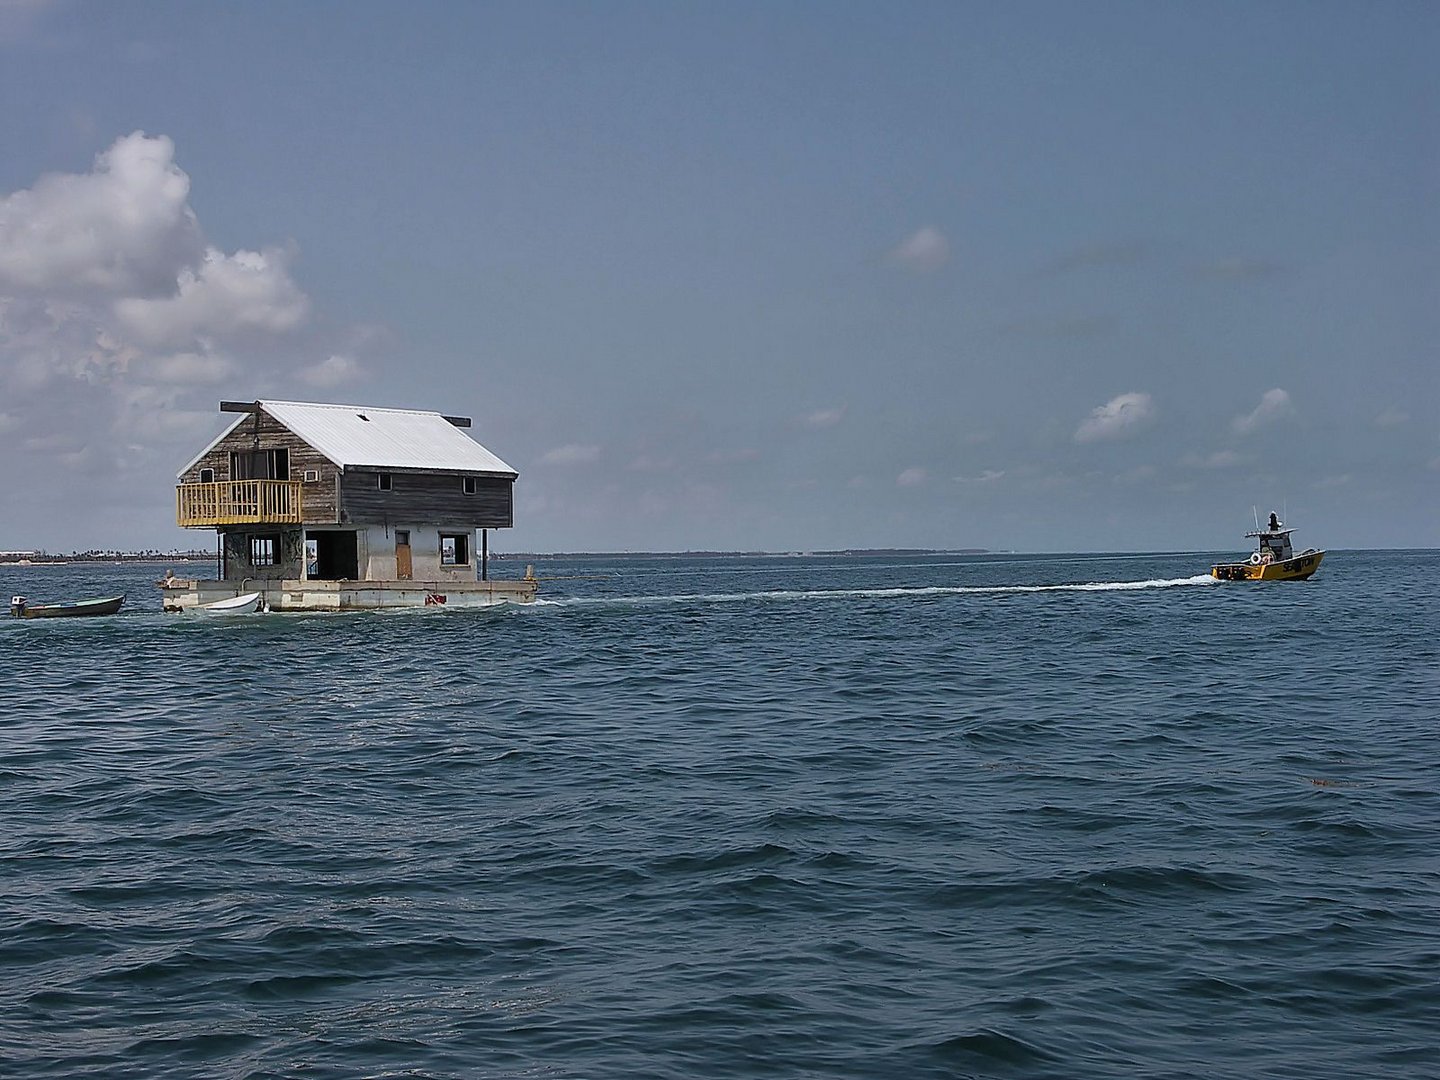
993,816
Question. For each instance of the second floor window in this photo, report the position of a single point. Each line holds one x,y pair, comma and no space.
260,464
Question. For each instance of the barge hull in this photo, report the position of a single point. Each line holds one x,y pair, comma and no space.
182,595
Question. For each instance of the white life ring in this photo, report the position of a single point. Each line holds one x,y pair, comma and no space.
1254,558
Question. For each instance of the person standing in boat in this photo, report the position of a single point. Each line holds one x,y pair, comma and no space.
1274,522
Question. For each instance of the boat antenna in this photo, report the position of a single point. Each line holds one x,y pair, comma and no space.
1255,510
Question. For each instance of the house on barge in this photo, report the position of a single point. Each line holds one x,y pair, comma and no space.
328,507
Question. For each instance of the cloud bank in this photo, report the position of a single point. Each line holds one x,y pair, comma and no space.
120,324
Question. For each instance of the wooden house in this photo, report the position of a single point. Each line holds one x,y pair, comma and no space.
337,506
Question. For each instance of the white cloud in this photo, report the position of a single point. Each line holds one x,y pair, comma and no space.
116,257
1274,405
225,294
332,371
123,229
823,418
571,454
1118,418
911,477
925,250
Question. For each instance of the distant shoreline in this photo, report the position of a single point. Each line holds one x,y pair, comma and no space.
109,557
508,556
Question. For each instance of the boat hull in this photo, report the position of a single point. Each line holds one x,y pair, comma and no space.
245,604
1296,568
77,609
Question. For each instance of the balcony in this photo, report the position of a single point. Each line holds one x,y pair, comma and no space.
237,502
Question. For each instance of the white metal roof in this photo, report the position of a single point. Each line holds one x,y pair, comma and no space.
357,435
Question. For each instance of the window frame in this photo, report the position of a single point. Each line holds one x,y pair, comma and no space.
264,549
462,543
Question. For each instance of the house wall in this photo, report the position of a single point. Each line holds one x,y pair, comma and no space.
377,553
428,498
319,499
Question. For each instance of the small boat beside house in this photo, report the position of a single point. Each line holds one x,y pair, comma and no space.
24,609
245,604
1273,558
320,507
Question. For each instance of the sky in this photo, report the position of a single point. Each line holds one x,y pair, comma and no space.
743,276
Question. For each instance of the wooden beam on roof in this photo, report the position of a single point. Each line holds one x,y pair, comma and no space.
240,406
459,421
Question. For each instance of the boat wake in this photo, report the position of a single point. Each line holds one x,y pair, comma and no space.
910,592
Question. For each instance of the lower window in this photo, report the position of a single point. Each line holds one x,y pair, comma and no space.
263,550
454,549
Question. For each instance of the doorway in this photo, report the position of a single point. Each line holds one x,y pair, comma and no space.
403,568
337,556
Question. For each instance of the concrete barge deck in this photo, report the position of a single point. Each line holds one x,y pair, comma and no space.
181,594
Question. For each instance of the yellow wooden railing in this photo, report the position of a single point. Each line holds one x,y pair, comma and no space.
237,502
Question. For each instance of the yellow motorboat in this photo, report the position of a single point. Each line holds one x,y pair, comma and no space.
1272,560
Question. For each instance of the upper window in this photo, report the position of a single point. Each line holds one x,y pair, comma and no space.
386,481
454,549
467,485
207,476
260,464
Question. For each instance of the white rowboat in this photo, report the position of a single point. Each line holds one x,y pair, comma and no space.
235,605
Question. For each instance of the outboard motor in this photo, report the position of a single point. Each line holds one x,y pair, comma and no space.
17,605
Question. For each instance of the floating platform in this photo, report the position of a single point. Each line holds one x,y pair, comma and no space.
182,594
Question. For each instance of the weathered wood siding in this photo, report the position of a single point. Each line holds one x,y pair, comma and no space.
426,498
319,502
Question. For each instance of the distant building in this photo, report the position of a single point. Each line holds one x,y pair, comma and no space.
346,506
